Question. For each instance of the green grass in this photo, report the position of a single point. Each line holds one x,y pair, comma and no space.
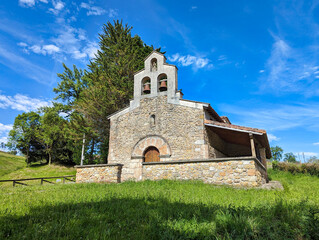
162,210
10,163
15,167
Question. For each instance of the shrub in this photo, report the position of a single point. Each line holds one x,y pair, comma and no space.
275,165
310,168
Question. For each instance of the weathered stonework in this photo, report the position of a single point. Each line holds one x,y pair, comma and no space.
178,133
240,172
102,173
156,141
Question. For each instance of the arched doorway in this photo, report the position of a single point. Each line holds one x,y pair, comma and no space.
151,155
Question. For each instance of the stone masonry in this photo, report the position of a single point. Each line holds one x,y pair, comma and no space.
239,172
180,126
102,173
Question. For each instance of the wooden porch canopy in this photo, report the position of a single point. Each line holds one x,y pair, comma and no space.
240,135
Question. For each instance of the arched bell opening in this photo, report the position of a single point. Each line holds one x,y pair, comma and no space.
146,85
151,154
162,82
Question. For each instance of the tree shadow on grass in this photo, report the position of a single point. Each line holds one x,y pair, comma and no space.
158,218
37,164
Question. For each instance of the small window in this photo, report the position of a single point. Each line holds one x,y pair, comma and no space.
162,82
146,86
152,120
154,65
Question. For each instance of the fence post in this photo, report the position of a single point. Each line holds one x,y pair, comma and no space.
41,181
14,183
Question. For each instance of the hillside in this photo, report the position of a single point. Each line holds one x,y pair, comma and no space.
15,167
162,210
10,163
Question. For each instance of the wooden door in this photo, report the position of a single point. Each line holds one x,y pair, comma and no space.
151,155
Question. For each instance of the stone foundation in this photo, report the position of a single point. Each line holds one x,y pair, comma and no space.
101,173
236,171
241,172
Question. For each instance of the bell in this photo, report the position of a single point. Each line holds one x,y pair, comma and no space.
163,86
146,89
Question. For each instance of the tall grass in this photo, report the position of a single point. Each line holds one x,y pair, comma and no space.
162,210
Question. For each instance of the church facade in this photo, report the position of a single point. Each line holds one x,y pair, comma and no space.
160,135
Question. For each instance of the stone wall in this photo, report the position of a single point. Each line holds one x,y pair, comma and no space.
181,127
241,172
99,173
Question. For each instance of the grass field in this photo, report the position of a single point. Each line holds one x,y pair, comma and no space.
15,167
10,163
162,210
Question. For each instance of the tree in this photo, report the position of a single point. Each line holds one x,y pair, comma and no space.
71,86
51,130
107,85
276,153
24,136
290,157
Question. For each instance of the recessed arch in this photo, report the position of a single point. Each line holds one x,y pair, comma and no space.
156,141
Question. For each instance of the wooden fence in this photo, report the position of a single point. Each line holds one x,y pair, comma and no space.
70,178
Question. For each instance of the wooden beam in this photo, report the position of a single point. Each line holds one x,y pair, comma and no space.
252,145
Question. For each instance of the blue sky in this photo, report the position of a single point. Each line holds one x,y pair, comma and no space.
254,61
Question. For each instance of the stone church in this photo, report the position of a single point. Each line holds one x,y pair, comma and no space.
161,135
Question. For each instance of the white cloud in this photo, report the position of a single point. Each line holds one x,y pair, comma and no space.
22,44
316,143
96,11
93,10
26,3
91,49
222,58
261,71
272,137
30,3
112,13
69,42
292,65
3,139
45,49
57,7
197,62
4,130
78,55
37,49
74,42
22,103
50,49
